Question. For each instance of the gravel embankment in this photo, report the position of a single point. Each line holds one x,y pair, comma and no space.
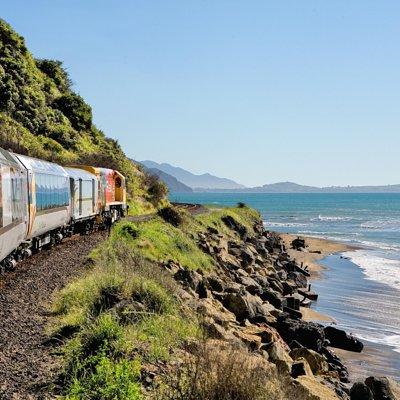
27,365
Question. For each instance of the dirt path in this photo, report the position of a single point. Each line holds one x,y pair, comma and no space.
26,363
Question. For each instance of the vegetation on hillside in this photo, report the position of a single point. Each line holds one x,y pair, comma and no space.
126,316
41,116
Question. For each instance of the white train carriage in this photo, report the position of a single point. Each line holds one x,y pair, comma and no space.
84,199
49,202
13,209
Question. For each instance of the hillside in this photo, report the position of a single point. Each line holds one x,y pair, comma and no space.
203,181
40,115
174,186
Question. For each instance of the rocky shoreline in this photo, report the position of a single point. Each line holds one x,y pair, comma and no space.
255,297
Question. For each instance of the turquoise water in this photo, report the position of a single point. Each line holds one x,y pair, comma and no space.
371,221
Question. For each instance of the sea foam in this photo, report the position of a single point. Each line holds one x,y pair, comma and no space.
377,268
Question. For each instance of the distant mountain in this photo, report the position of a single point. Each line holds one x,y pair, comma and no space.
204,181
173,184
290,187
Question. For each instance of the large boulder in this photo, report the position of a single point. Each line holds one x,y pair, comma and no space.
247,306
335,364
300,367
308,334
280,357
189,279
341,340
381,388
298,278
360,391
317,362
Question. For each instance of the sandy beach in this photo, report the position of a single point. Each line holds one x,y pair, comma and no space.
373,357
308,257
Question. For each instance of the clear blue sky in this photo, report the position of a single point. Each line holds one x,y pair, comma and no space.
258,91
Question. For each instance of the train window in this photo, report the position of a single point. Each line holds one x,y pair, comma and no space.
1,198
118,182
16,198
52,191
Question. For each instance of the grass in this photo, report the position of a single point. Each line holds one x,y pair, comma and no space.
159,241
125,312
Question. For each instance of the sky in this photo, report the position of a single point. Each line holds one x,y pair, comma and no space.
256,91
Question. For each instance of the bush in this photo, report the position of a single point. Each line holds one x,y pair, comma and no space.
219,371
171,215
76,110
94,370
156,188
110,380
241,204
54,70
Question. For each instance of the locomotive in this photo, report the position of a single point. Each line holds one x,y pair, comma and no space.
42,202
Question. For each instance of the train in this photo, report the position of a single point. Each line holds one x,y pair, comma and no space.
42,202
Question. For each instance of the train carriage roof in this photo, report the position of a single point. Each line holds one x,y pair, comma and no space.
42,166
8,158
78,173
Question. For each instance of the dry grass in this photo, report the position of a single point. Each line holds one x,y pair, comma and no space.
220,371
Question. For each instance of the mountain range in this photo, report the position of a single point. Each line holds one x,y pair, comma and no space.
180,180
196,182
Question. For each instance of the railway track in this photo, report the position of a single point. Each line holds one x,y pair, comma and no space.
27,364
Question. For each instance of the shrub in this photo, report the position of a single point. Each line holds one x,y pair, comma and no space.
240,204
75,109
171,215
129,230
156,188
54,70
110,380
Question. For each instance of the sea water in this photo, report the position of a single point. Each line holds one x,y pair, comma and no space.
362,292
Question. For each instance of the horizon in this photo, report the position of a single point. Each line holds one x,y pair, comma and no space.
268,183
262,93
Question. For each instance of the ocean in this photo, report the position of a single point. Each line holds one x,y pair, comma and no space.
361,291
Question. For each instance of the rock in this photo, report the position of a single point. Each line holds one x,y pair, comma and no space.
341,340
247,257
233,287
216,331
272,297
308,334
360,391
300,367
214,309
280,357
313,390
335,364
249,282
246,306
129,311
316,361
380,387
252,342
215,284
298,243
299,279
275,284
190,279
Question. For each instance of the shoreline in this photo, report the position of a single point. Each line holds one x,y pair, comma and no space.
310,259
355,362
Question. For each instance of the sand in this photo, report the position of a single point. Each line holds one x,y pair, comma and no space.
310,259
373,356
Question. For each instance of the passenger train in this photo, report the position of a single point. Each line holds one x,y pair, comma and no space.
42,202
